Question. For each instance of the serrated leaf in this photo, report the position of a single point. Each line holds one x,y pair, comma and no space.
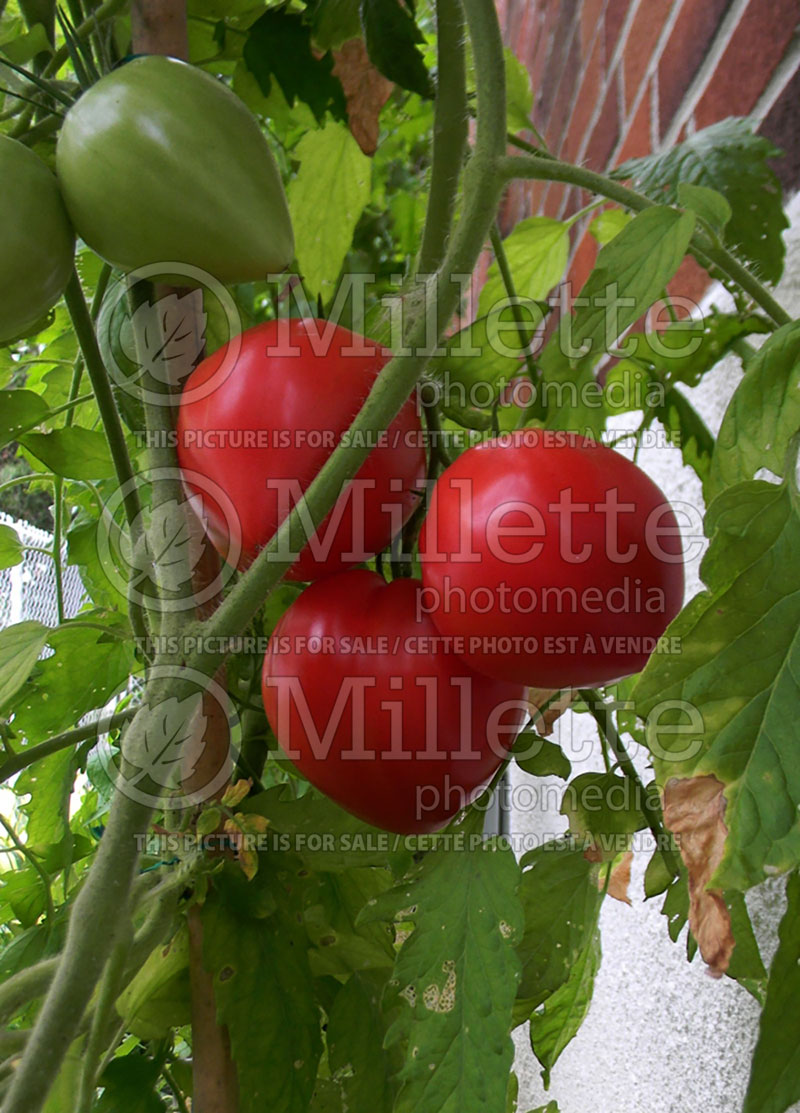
392,37
158,997
72,452
775,1073
335,22
10,547
326,199
736,681
557,1023
341,944
729,158
20,646
279,46
630,274
455,989
20,410
562,903
709,205
762,415
574,397
537,252
746,965
686,349
519,95
261,978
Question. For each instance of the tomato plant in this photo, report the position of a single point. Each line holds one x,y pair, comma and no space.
36,240
557,560
245,863
144,186
259,418
377,711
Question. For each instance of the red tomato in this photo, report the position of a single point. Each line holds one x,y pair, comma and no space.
259,425
558,560
377,711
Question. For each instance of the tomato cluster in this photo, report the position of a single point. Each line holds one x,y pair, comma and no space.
547,561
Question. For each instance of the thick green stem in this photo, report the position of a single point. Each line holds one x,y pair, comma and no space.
601,713
482,186
552,170
449,134
26,985
69,738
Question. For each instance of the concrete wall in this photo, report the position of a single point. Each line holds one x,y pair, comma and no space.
661,1036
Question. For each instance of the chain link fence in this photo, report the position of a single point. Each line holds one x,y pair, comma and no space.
28,590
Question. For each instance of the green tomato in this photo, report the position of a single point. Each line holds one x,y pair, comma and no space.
36,240
161,163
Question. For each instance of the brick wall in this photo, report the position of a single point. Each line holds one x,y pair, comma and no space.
615,79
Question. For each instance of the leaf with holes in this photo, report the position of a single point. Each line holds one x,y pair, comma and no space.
455,989
20,646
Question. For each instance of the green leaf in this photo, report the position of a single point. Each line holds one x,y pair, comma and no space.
20,646
736,681
279,45
324,835
762,415
573,395
551,1107
264,989
49,783
562,903
72,452
158,997
129,1083
326,199
455,988
519,95
630,274
335,23
685,350
543,758
392,37
658,876
729,158
609,224
10,547
25,47
68,1080
537,252
604,807
685,428
746,965
477,363
20,410
707,204
775,1073
332,904
562,1014
358,1062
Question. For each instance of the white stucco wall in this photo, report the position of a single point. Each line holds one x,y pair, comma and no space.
661,1035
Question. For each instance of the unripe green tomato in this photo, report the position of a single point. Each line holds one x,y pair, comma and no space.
160,163
36,240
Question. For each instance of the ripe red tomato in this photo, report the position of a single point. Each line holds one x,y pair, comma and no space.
558,560
259,425
377,711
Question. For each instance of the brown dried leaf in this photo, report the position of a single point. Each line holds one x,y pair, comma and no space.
620,879
543,721
694,810
365,90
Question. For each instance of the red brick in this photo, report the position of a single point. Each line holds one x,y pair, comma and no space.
591,23
606,132
552,200
637,138
538,190
691,281
582,261
757,46
615,17
555,62
565,95
638,50
541,50
590,91
782,126
686,48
